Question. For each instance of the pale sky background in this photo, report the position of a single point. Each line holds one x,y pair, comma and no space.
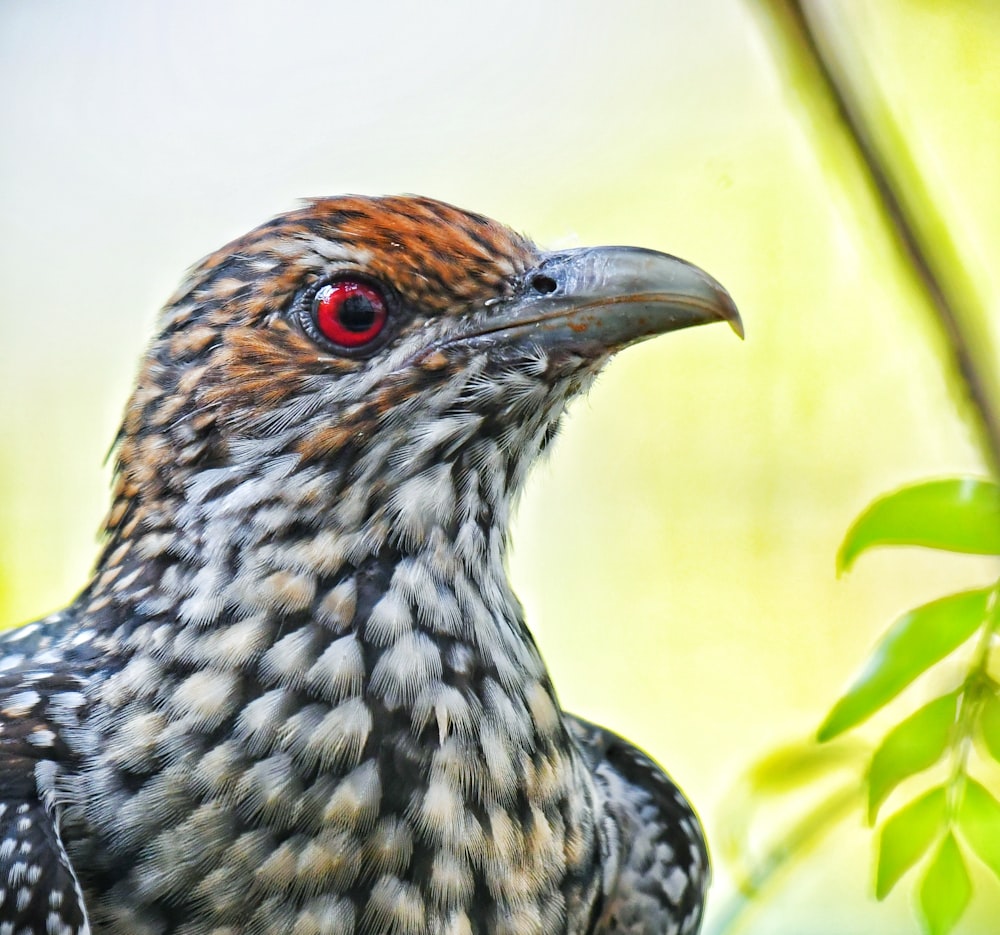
676,553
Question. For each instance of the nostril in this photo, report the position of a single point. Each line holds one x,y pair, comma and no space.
543,284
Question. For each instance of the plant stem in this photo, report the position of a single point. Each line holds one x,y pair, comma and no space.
977,684
765,872
907,210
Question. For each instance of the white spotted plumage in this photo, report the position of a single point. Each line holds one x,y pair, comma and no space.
299,693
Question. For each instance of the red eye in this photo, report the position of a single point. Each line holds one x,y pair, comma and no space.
349,313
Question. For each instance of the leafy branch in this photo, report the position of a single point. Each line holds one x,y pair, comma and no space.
941,825
956,515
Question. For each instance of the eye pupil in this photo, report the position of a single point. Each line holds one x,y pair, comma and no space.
357,313
349,313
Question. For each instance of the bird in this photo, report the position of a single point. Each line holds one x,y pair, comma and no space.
298,693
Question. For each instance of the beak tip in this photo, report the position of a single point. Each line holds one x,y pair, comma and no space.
736,323
728,311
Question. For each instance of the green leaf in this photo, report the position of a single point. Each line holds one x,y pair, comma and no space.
979,822
958,514
946,889
912,645
910,747
906,836
800,763
989,726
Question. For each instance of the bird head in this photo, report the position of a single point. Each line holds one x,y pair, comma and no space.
379,367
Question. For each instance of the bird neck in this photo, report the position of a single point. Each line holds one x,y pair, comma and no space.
383,550
339,646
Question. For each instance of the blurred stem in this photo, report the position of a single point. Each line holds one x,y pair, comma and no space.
805,834
825,64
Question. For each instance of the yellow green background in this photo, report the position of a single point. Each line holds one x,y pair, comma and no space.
676,552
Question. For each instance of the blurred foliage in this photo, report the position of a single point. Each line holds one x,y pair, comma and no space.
951,818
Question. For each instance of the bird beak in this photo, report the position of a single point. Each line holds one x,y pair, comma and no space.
602,299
